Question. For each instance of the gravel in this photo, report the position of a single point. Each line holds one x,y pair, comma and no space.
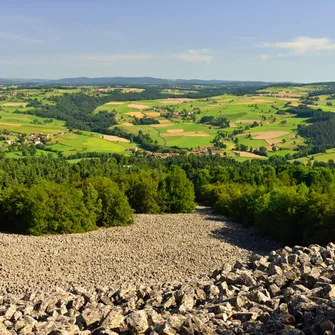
157,248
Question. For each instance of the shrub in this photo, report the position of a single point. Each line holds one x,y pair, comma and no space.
47,208
141,190
177,192
112,207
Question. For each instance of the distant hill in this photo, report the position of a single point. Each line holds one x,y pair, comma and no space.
139,81
112,81
6,82
143,81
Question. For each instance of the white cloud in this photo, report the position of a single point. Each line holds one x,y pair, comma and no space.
303,45
114,58
196,56
264,57
8,36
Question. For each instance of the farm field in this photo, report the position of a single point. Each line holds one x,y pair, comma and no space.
174,122
189,133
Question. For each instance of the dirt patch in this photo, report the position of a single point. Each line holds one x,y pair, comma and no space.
266,135
127,124
139,115
115,139
259,100
232,125
164,121
273,141
247,121
15,104
152,114
175,101
114,103
188,134
127,90
162,125
249,155
175,130
138,106
288,99
10,124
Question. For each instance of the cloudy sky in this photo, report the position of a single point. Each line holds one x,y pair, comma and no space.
287,40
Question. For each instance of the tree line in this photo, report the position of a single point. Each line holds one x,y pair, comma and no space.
319,130
293,203
66,202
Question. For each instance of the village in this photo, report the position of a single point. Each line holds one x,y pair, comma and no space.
33,139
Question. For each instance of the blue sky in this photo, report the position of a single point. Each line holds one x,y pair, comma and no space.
214,39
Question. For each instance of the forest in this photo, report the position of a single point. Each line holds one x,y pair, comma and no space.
319,131
292,203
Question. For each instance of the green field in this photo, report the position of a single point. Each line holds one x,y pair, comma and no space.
181,129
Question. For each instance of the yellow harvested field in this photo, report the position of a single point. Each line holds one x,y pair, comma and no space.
251,102
175,101
127,124
162,125
260,100
196,133
267,135
175,130
247,121
127,90
232,125
164,121
224,100
188,134
273,141
10,124
15,104
138,106
288,99
152,114
114,103
248,155
115,139
139,115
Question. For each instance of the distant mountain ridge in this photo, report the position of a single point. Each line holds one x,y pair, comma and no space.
123,81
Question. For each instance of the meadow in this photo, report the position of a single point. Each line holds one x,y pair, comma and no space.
177,120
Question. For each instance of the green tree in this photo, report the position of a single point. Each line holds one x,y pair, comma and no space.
115,209
142,192
46,208
178,192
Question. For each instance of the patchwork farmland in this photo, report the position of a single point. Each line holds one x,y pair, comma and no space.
258,125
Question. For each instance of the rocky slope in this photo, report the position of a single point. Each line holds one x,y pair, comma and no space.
157,248
289,291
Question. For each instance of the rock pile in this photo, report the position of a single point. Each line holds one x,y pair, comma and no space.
289,291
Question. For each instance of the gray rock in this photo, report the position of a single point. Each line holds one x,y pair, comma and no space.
137,322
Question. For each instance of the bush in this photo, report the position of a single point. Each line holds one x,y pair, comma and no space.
47,208
111,206
142,192
177,192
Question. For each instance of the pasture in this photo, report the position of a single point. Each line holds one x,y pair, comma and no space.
178,119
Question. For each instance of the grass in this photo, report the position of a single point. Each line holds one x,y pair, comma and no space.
262,108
